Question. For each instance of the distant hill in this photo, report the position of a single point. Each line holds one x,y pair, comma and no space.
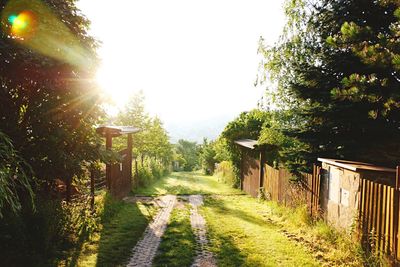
197,129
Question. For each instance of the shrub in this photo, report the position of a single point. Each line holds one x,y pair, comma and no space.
225,173
150,170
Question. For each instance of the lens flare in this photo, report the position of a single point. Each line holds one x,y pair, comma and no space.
23,25
36,26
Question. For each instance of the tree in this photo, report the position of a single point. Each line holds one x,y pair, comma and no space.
189,152
336,70
49,101
207,156
247,125
152,140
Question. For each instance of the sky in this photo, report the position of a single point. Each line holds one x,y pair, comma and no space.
194,60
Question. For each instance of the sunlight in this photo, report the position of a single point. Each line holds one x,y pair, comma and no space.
115,85
32,23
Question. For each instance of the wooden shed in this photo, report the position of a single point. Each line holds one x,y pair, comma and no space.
252,166
344,185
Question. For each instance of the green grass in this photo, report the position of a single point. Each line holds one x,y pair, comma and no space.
240,235
178,243
122,225
186,183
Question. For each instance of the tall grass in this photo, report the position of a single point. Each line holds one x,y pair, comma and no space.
149,171
224,172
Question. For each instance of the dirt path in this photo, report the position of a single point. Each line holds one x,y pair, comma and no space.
204,257
145,250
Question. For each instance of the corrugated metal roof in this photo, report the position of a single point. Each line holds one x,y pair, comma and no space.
116,130
249,143
356,166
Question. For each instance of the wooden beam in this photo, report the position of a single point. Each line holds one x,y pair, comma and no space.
129,155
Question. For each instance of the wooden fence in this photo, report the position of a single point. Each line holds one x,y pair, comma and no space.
378,217
279,187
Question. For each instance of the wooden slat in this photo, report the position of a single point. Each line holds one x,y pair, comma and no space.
383,218
378,217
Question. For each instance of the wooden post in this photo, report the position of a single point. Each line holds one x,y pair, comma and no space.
92,189
129,159
108,166
312,189
396,213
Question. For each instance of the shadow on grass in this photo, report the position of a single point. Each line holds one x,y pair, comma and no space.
83,237
123,226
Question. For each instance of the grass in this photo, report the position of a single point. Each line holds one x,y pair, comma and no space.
122,225
178,243
327,243
187,183
240,235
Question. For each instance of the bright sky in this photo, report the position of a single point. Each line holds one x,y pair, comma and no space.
192,59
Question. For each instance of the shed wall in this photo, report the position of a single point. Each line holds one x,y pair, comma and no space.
250,175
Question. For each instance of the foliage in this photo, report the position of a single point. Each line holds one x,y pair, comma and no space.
40,236
224,173
152,140
14,177
336,74
247,125
150,171
189,152
152,150
49,106
207,156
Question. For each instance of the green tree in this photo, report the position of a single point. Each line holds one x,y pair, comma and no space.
189,152
336,70
207,156
247,125
49,103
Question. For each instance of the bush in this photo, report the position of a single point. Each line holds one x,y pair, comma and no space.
40,236
149,171
225,173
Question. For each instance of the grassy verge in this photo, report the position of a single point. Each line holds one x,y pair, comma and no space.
186,183
245,232
121,226
328,244
178,243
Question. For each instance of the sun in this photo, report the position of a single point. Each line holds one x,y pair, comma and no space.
115,84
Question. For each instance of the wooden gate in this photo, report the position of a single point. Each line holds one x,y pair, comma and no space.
120,182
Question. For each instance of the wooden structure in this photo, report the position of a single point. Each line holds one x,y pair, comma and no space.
119,175
365,194
251,169
256,175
